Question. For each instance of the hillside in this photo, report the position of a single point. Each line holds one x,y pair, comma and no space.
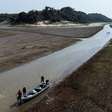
53,15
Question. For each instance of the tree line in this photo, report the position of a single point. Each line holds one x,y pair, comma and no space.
53,15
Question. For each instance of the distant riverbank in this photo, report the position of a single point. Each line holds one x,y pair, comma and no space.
65,24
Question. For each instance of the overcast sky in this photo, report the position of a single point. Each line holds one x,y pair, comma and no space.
88,6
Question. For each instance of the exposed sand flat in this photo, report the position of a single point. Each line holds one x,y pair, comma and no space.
19,45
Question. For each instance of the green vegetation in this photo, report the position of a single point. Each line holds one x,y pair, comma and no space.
53,15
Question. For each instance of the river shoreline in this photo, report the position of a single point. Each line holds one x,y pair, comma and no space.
87,89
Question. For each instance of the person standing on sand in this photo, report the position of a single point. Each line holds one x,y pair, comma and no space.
42,79
47,82
24,91
19,95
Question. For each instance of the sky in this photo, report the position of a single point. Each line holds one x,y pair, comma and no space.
88,6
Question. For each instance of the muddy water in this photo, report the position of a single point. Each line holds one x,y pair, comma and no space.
54,67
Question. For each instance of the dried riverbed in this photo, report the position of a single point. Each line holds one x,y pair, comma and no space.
19,45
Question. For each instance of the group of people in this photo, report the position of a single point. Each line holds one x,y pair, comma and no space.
24,91
20,94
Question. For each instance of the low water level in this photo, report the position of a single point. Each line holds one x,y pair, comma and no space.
54,67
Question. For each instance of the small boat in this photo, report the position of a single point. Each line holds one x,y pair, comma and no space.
35,92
